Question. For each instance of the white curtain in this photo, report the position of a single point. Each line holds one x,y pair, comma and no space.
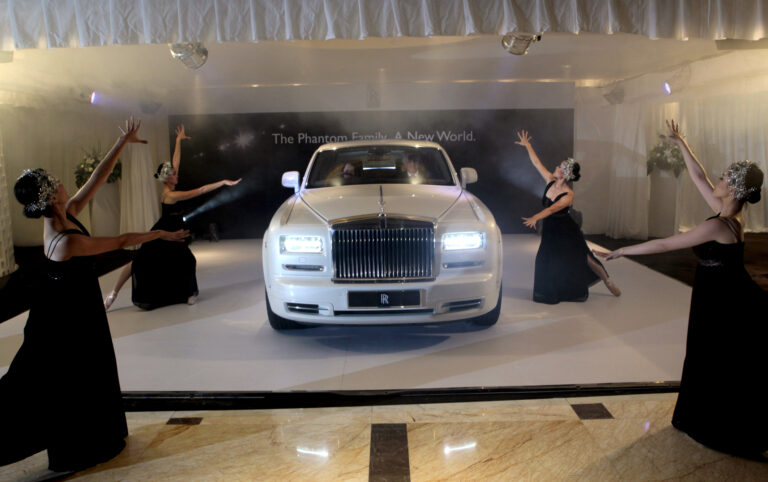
628,185
81,23
7,260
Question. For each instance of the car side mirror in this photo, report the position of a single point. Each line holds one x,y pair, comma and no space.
468,176
291,179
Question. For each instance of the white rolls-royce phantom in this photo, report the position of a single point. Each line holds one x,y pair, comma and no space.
381,232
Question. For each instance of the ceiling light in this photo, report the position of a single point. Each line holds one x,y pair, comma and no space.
518,42
191,54
679,81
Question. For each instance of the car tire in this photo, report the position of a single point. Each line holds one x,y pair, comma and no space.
491,317
278,322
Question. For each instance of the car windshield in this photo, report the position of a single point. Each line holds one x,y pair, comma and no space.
379,165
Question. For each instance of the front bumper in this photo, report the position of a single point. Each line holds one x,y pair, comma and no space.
321,301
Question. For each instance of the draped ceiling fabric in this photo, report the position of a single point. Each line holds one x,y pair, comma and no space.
82,23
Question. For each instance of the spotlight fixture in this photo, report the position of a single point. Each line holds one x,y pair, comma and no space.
191,54
518,43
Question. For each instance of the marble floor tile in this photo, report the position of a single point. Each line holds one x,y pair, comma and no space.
498,411
552,450
293,416
248,452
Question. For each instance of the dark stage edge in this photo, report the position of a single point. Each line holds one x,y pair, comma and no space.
173,401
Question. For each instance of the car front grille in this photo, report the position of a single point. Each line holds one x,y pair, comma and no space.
382,249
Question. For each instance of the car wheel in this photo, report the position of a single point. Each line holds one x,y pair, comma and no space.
489,318
278,322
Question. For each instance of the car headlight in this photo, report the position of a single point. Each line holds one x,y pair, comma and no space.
457,241
301,244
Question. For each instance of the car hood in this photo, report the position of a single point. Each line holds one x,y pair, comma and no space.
358,200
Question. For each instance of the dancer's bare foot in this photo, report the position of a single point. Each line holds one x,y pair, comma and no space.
109,300
612,287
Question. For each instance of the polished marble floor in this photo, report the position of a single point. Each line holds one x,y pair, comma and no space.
626,438
224,342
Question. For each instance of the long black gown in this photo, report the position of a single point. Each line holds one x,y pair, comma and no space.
62,392
722,401
164,271
562,272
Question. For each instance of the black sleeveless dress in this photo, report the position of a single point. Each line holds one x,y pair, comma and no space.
562,272
62,392
722,401
164,271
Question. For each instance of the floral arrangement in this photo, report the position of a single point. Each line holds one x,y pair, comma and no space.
91,159
666,156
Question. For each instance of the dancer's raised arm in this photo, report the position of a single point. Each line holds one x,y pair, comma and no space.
104,169
525,141
180,136
695,169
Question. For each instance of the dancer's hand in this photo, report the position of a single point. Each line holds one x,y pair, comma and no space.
608,255
531,222
525,139
674,135
175,235
180,134
131,131
227,182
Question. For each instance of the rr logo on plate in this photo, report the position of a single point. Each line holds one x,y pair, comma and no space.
384,299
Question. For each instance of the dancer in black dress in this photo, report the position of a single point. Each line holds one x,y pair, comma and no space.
721,403
61,391
164,273
565,266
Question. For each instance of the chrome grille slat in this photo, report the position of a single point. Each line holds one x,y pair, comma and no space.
373,250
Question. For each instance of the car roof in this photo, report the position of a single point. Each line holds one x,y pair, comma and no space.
388,142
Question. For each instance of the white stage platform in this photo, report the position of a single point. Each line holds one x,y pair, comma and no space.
224,342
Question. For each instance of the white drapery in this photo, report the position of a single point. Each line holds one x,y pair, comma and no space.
81,23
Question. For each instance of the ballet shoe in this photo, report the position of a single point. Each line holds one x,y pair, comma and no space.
192,300
613,288
109,300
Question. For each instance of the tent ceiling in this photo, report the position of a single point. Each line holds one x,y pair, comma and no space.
147,73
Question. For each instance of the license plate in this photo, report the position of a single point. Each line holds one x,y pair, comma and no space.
383,299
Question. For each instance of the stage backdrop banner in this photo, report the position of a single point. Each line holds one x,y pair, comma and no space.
259,147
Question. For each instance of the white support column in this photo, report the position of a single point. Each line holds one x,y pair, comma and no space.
7,260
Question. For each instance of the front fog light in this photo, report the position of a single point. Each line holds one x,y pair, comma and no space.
301,244
456,241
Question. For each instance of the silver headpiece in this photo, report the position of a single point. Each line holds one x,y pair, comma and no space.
735,176
567,167
47,186
165,170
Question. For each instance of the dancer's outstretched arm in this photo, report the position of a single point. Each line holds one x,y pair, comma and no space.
711,230
104,169
175,196
525,141
695,169
77,245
